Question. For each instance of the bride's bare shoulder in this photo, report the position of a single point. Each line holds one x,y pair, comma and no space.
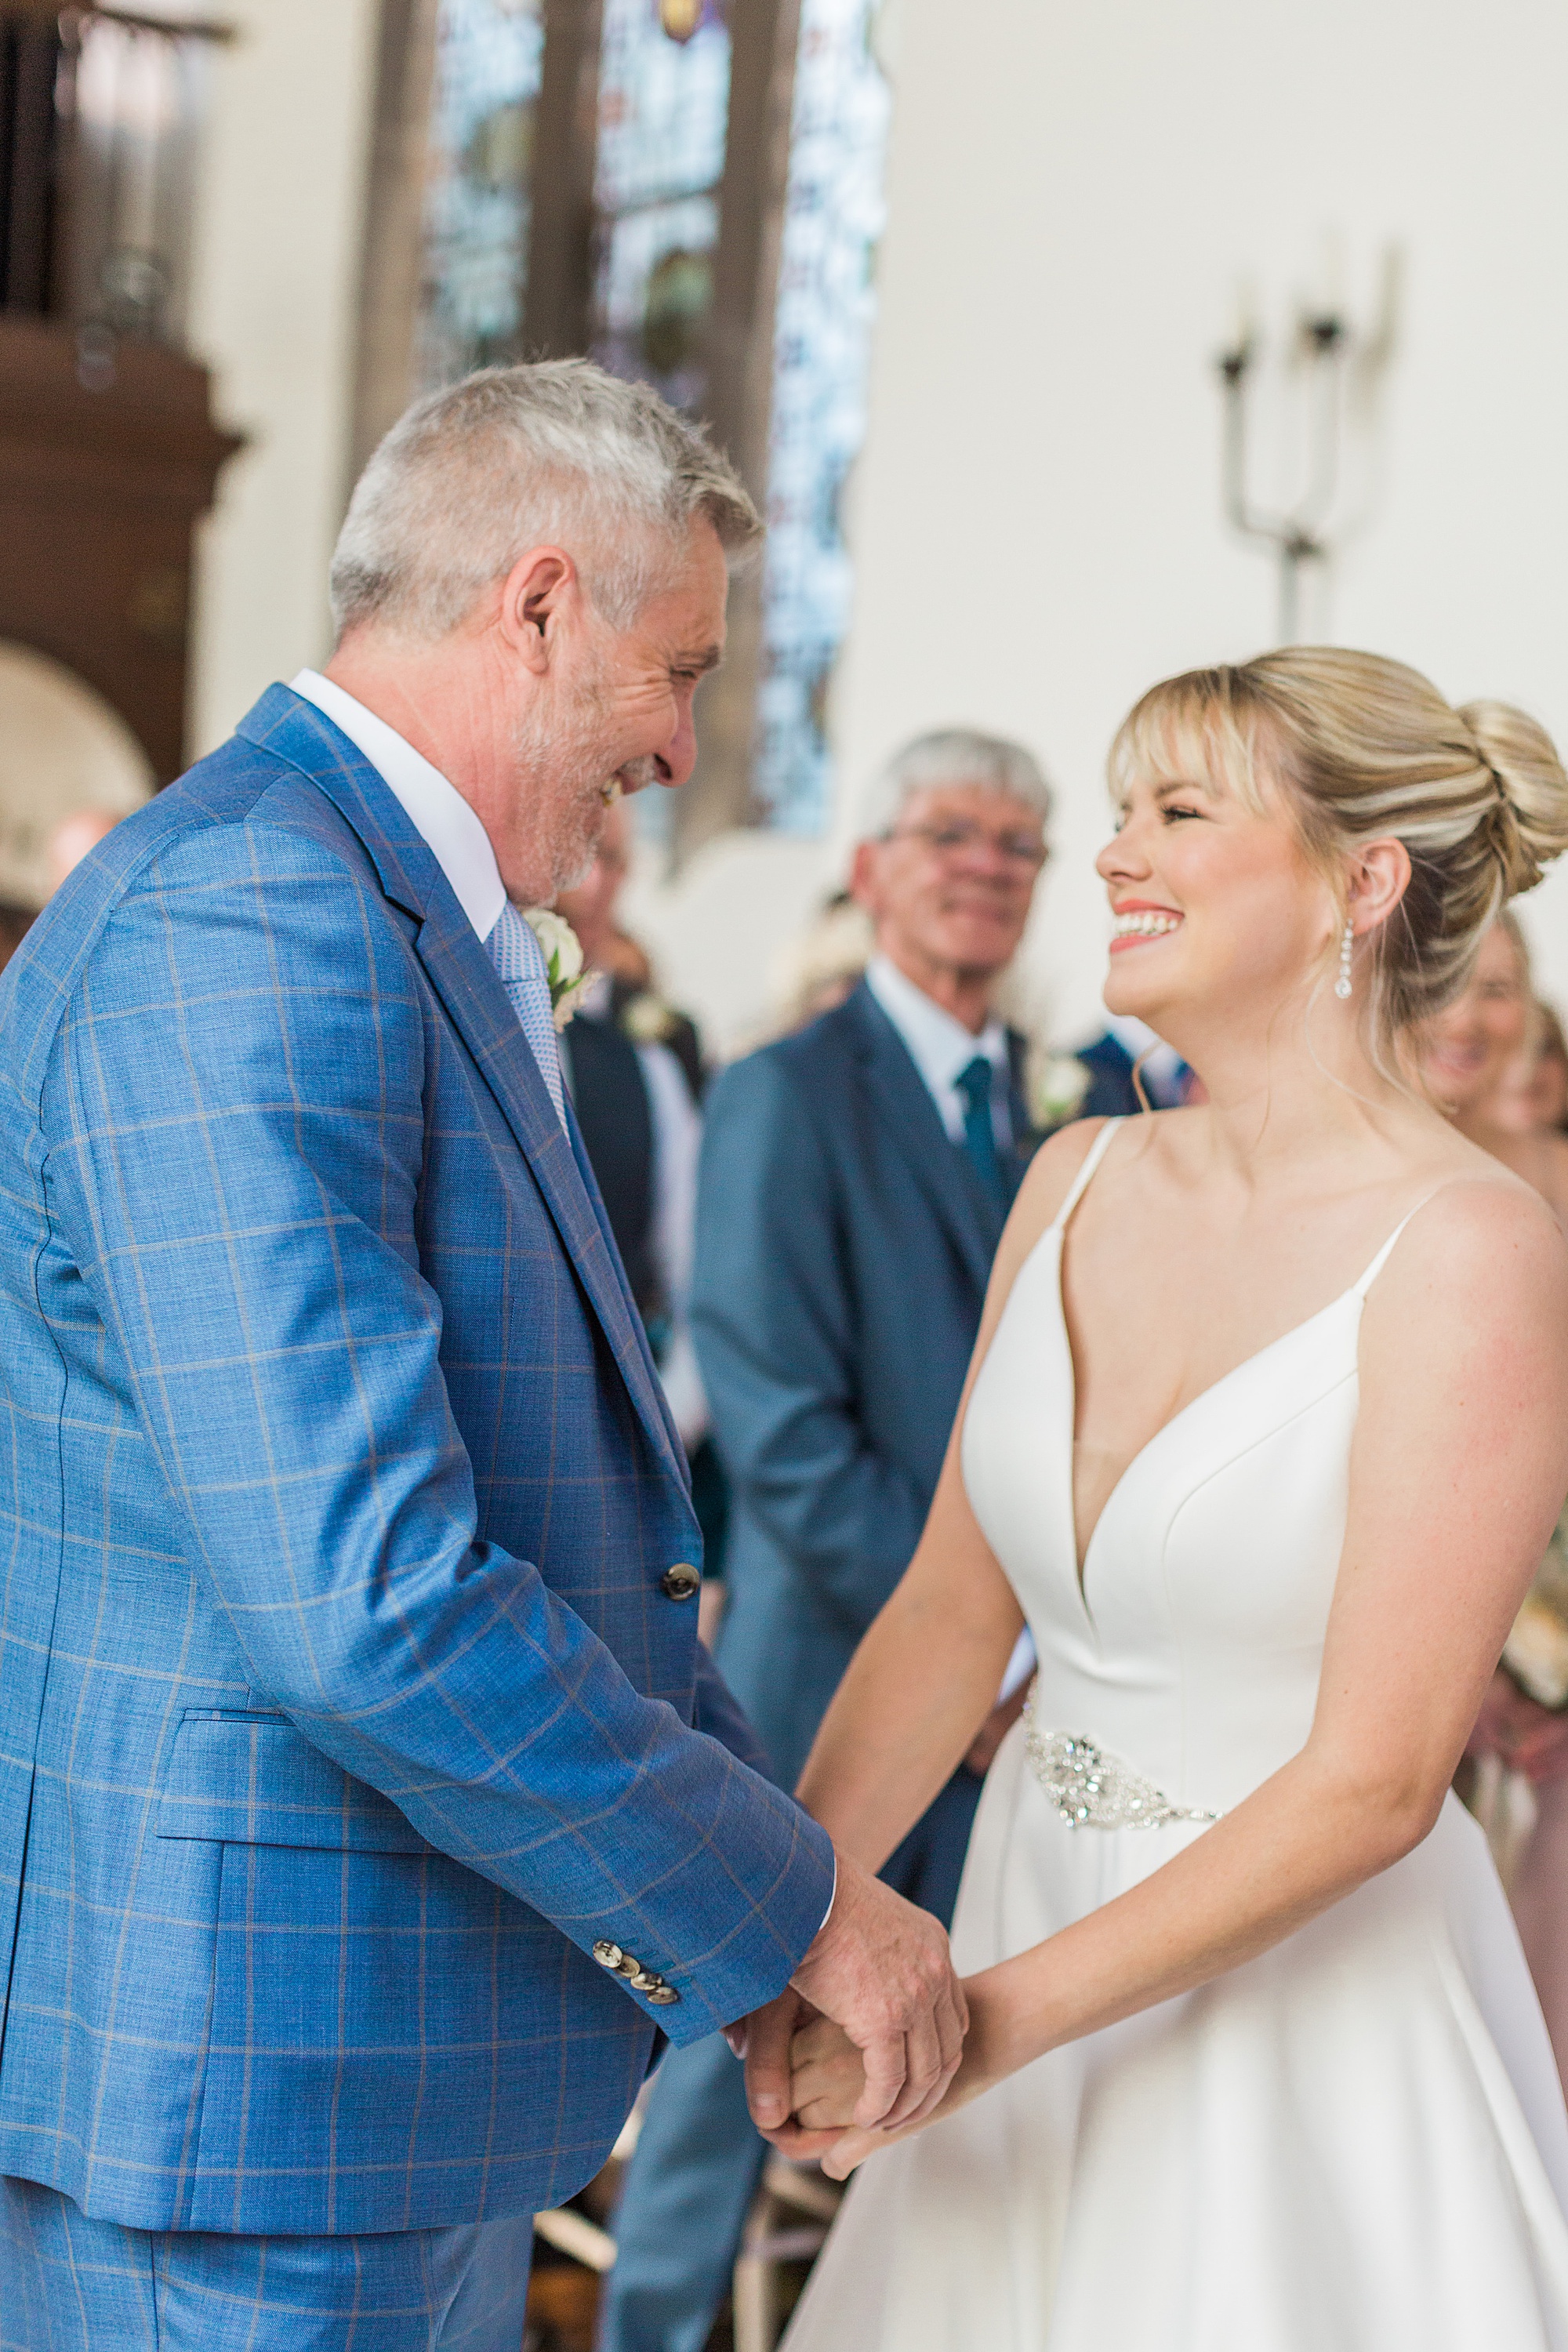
1484,1249
1051,1173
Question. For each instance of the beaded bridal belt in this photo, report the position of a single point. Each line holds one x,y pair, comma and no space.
1093,1790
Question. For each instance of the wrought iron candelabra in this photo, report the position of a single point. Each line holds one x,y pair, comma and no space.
1326,349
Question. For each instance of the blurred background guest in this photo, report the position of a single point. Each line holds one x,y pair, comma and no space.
856,1177
634,1069
817,971
1126,1057
74,836
1485,1057
1532,1095
65,847
1483,1066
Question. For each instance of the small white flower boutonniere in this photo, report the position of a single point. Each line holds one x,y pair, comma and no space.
648,1020
563,956
1054,1087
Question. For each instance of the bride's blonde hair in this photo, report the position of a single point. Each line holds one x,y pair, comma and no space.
1364,748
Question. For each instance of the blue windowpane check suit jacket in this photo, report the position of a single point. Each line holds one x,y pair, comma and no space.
341,1710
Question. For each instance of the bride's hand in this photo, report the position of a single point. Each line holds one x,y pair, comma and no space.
826,2076
826,2080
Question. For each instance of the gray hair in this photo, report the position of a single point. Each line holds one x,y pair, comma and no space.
952,755
559,453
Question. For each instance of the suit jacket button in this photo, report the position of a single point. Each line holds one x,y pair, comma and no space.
663,1995
609,1956
680,1582
645,1981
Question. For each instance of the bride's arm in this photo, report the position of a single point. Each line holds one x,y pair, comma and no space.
926,1674
1458,1472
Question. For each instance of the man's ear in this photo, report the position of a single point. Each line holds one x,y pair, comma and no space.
1378,881
862,883
541,593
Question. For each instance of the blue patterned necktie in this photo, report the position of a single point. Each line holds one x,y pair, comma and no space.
975,1082
525,976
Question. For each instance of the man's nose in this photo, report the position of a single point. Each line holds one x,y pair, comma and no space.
678,757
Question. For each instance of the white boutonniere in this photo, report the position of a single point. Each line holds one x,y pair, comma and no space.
648,1020
1054,1087
563,958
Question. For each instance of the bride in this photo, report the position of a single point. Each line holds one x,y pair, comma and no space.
1264,1435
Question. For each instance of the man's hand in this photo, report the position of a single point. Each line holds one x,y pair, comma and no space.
881,1969
828,2074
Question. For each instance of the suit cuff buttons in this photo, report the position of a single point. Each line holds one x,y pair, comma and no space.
647,1982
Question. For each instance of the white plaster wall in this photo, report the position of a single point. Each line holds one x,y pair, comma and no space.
273,313
1073,192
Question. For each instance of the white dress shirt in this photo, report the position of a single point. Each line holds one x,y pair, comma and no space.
461,846
453,831
939,1047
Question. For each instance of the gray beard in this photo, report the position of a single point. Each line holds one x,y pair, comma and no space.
564,775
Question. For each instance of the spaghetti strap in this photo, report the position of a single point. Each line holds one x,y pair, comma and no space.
1091,1159
1360,1289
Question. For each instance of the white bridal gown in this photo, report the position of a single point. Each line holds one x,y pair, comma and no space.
1355,2143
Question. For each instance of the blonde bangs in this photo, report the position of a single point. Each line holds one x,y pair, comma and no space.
1202,728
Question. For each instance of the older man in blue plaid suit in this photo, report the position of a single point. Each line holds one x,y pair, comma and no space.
366,1802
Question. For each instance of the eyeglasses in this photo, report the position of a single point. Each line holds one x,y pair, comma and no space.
1025,851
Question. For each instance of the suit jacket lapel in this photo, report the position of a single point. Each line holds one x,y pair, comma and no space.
460,972
1026,1137
970,1216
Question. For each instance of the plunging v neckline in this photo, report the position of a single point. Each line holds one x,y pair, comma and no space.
1080,1559
1058,1230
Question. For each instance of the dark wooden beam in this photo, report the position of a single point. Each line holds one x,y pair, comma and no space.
391,255
557,300
30,58
764,34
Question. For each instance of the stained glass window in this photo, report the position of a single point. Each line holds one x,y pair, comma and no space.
833,219
658,165
664,106
489,53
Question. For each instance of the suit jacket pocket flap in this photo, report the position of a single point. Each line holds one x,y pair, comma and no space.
255,1780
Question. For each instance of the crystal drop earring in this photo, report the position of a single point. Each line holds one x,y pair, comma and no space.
1343,986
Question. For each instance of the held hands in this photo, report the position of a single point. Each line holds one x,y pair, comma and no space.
828,2081
881,1971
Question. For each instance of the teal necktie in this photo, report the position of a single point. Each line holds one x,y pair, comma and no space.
974,1082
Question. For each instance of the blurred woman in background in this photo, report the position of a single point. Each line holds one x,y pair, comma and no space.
1485,1061
1496,1064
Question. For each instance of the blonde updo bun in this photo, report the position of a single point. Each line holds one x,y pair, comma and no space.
1364,748
1532,815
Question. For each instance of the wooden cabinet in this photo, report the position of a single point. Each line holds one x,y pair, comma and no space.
108,454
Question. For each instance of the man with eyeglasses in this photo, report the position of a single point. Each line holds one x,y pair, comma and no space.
856,1177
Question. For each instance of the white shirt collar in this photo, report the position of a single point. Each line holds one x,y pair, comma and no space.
449,827
939,1046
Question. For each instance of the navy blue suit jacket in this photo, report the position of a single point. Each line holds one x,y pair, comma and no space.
843,1247
1111,1093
